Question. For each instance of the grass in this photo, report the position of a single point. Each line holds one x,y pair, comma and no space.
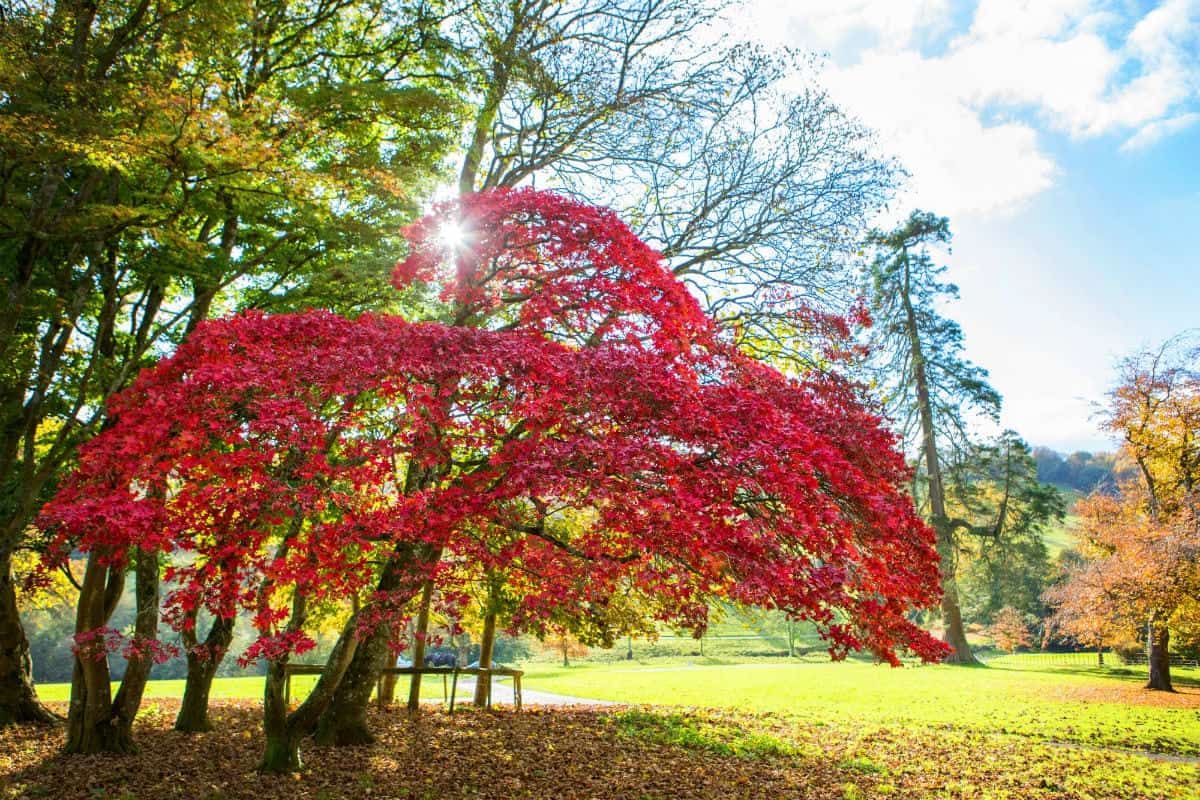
1045,702
1104,708
234,688
1059,537
711,734
714,727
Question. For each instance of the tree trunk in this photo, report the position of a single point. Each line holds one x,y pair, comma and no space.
629,650
282,750
414,686
401,579
91,726
202,664
99,723
387,690
285,731
18,699
1048,634
1158,656
955,634
344,722
483,684
137,670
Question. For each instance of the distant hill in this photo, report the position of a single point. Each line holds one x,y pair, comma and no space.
1080,472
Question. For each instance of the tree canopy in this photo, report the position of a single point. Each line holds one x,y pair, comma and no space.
285,453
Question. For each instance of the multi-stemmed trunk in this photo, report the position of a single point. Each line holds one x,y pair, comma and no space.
97,722
344,721
202,664
18,699
1158,655
284,730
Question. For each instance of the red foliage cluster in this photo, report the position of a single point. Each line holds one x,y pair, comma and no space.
276,457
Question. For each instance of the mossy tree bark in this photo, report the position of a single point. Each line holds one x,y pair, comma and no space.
97,722
202,664
18,698
284,730
344,722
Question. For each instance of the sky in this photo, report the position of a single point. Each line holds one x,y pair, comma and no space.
1062,138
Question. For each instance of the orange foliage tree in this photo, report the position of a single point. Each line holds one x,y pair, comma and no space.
1009,630
1141,547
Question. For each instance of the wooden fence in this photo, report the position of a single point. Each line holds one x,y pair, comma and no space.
1090,658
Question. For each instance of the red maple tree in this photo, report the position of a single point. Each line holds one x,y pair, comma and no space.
276,460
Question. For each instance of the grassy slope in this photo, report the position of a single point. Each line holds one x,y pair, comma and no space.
1059,537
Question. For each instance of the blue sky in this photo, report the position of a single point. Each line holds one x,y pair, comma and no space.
1062,138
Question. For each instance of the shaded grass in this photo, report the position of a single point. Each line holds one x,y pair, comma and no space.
627,754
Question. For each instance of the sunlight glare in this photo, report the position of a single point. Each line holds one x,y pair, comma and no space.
452,236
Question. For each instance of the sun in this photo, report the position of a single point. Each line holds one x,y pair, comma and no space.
452,236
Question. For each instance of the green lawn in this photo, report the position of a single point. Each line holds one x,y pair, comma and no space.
1059,537
1063,704
230,688
1088,706
1020,730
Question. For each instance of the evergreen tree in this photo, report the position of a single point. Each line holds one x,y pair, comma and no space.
931,391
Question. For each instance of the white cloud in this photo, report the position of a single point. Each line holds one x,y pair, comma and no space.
1156,131
958,164
1026,18
965,118
828,25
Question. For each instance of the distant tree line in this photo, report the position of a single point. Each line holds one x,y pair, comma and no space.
1082,471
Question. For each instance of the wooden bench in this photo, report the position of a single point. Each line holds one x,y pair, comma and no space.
449,674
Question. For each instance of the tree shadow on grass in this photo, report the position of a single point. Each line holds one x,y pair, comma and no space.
474,754
1187,678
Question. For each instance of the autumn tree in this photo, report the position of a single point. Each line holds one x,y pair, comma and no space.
753,193
1010,630
163,161
565,645
931,391
296,458
1142,546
